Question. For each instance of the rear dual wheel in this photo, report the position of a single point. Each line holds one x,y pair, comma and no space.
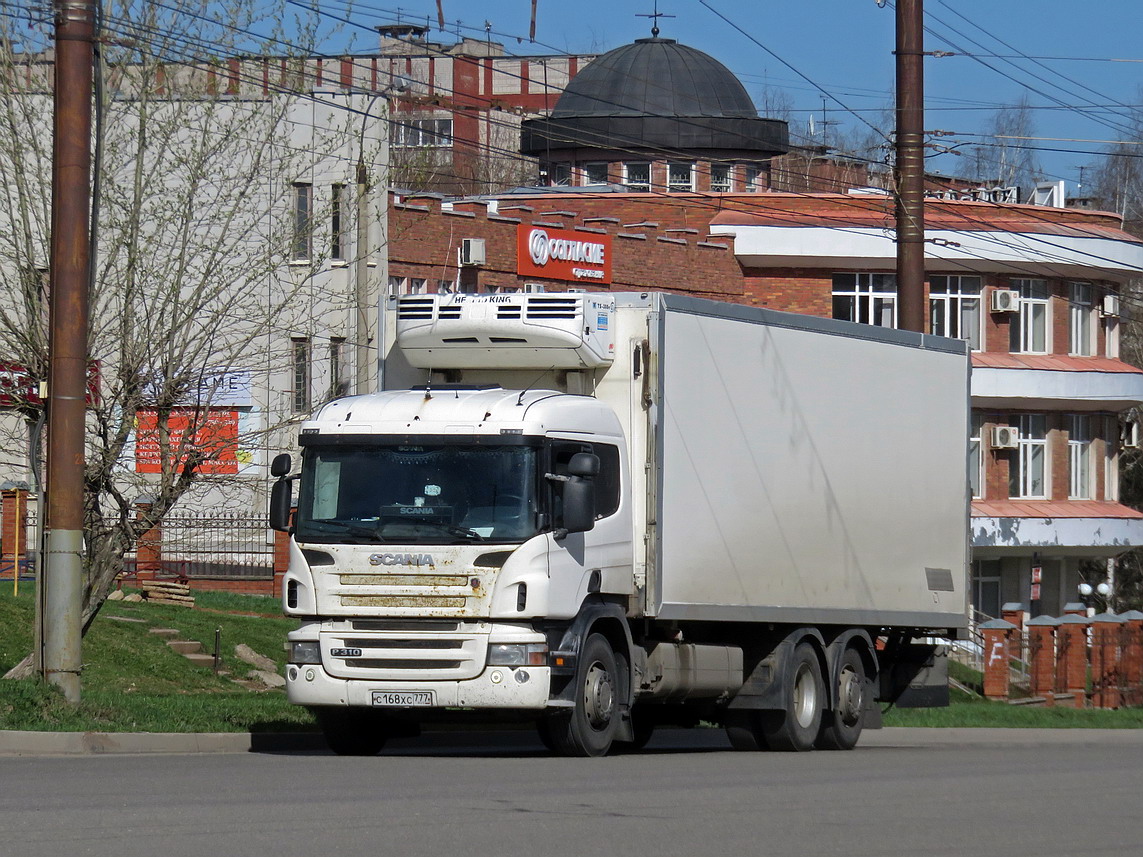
796,725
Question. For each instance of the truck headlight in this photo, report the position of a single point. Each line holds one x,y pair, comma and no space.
307,652
518,654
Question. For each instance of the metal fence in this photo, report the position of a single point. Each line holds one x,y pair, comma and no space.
213,545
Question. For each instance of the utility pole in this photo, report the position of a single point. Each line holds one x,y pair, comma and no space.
910,167
68,311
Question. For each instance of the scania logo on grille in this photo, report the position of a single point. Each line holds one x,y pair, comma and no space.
402,559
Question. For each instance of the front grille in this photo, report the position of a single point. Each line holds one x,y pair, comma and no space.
421,625
400,601
398,655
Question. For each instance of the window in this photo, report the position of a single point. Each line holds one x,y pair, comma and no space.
606,483
595,173
637,177
1079,457
954,308
1027,472
302,245
975,460
1028,331
1111,429
422,132
338,384
300,347
680,177
560,175
866,298
445,287
720,178
1081,320
752,180
417,286
337,223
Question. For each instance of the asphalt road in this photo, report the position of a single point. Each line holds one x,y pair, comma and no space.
903,792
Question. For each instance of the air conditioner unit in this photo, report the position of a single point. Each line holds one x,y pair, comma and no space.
1130,437
472,251
1005,300
1110,306
1005,437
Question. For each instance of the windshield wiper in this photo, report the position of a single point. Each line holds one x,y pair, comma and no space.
464,531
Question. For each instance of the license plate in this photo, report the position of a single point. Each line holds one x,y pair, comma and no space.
402,698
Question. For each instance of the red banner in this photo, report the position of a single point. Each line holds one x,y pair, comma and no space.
216,437
563,254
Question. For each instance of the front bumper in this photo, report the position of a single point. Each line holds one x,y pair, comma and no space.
525,688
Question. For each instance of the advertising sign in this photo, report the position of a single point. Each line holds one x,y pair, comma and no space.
18,387
563,254
216,437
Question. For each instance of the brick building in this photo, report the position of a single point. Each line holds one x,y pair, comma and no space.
1034,289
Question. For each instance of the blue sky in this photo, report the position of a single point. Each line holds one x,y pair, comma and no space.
843,49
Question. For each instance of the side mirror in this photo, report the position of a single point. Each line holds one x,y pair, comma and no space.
579,505
281,465
584,464
281,504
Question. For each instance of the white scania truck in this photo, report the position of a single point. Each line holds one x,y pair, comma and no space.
602,512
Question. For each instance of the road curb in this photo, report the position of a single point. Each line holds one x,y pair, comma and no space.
17,743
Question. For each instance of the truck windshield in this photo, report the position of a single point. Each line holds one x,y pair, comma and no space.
417,494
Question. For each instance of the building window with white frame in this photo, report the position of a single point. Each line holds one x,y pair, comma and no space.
338,383
1081,320
418,133
637,178
1029,330
1027,469
752,179
337,223
720,178
302,244
595,173
300,357
954,308
975,459
1079,457
680,177
560,175
866,298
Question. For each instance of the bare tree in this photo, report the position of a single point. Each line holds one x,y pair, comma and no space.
203,267
1007,157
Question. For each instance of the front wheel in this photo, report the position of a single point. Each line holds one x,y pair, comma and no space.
352,731
796,725
588,728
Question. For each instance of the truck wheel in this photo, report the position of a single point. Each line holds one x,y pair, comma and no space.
352,731
588,728
841,728
796,727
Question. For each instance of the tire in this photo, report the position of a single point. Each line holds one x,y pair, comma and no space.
352,731
589,727
842,727
796,727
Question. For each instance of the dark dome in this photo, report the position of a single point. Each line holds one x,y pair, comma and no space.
655,94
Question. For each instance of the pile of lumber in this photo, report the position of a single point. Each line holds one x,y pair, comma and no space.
166,592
